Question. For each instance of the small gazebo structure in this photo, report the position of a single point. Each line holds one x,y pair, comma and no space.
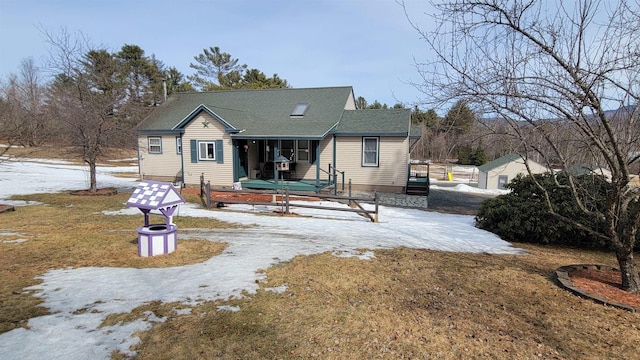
156,239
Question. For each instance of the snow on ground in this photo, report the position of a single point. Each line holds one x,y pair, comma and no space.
80,299
37,176
470,189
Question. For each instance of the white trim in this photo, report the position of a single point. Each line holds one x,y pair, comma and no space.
366,152
209,155
151,146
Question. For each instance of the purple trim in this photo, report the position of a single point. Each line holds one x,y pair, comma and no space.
154,195
168,230
166,243
146,216
168,211
149,245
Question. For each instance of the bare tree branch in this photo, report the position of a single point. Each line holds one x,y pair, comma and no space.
554,71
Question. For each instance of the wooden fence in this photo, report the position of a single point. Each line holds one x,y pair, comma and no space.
205,192
282,198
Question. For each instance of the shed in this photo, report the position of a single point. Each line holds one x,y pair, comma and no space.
497,173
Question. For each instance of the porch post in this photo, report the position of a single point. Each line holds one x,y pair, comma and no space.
235,154
317,150
335,182
275,166
183,185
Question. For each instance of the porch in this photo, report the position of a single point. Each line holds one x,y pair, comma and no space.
293,185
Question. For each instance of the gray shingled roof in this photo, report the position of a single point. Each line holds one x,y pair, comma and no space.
389,122
255,113
415,132
501,161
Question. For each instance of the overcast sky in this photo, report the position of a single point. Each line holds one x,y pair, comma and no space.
367,44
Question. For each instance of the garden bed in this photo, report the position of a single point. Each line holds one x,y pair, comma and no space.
599,283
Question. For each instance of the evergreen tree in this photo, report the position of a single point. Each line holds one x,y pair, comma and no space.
460,118
216,70
361,103
377,105
256,79
176,82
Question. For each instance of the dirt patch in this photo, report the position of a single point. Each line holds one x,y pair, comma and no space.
604,283
98,192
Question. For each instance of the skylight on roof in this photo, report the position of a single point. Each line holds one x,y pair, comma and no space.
299,109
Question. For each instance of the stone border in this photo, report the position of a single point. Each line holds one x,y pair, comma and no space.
562,276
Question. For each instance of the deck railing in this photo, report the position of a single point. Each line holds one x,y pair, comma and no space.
333,173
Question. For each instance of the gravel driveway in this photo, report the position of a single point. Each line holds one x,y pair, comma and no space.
444,201
455,202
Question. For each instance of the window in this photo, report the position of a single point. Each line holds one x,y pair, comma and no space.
155,145
502,181
178,145
370,151
206,150
303,150
287,149
299,109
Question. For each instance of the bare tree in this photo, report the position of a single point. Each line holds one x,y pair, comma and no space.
556,67
23,120
5,110
88,96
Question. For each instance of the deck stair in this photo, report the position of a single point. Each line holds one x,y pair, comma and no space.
418,179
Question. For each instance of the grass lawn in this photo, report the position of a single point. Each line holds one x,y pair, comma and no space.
407,303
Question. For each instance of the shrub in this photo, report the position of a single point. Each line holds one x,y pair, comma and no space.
522,216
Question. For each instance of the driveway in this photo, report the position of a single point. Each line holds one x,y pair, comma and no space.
455,202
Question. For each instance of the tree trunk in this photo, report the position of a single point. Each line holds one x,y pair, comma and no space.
629,271
92,174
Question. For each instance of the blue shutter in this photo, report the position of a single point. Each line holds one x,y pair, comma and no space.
314,150
219,152
194,151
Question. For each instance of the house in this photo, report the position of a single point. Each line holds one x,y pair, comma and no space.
497,173
309,138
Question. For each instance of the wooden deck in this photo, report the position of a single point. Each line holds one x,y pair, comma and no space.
293,185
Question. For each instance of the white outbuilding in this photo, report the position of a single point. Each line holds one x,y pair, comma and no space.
497,173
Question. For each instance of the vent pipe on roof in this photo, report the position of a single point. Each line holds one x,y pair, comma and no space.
164,88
